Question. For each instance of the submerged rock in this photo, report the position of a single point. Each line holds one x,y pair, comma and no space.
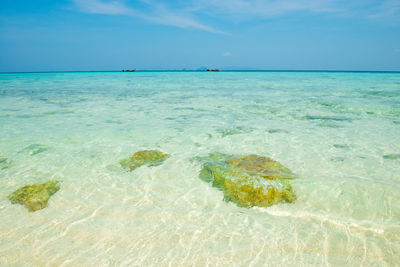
392,156
233,131
250,180
4,163
35,196
34,149
344,146
272,131
145,157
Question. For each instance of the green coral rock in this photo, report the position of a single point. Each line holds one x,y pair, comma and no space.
250,180
150,157
34,196
2,159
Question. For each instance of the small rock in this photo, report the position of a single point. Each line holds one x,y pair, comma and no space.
35,196
145,157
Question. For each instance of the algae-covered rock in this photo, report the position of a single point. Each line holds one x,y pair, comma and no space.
35,196
250,180
145,157
3,159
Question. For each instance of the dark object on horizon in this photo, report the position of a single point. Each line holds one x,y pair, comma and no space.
128,70
212,69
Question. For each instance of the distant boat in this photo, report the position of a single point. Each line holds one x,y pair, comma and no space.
212,69
128,70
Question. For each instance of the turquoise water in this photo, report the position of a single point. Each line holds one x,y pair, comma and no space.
338,132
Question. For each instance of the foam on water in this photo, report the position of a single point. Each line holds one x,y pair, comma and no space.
338,132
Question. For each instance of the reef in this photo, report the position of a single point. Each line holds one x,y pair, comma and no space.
3,159
35,196
250,180
150,158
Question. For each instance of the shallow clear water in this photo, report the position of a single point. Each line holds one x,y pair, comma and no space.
339,132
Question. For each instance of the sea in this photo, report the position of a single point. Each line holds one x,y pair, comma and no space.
338,132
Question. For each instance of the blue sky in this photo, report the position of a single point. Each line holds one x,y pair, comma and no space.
45,35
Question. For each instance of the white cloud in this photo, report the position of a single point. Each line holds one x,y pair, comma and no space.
250,9
263,8
185,13
158,14
386,9
101,7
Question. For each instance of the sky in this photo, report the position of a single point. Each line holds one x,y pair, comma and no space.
95,35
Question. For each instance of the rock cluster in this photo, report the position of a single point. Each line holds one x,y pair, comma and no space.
248,181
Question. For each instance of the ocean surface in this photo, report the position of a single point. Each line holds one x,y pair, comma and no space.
339,132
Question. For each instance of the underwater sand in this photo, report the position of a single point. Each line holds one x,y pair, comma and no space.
338,132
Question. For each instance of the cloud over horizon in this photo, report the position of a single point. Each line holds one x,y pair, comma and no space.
186,14
156,13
